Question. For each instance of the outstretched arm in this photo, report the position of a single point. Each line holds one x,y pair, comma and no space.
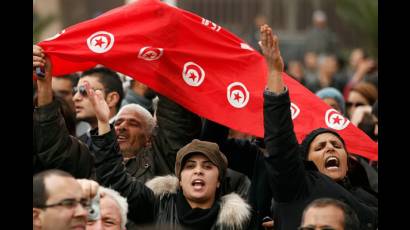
100,106
283,164
270,48
110,170
45,92
53,147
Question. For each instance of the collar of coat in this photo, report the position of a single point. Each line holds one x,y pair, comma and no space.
234,211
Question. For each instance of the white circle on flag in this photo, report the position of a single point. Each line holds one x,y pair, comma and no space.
193,74
335,120
55,36
100,42
294,109
150,53
237,95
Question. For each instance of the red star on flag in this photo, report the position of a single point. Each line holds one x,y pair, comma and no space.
237,96
69,54
336,120
192,76
99,42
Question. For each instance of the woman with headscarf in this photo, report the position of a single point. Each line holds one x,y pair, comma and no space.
317,168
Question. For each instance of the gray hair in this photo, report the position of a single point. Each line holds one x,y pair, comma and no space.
120,201
146,116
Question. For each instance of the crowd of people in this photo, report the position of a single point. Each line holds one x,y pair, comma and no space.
110,153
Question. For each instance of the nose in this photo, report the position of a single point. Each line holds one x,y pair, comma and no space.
81,211
329,147
198,170
77,96
121,126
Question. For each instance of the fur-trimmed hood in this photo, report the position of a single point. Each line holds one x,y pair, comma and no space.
234,212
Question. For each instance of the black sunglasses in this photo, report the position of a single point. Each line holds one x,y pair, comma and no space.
81,89
70,203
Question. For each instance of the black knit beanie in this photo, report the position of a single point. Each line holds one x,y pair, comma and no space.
304,147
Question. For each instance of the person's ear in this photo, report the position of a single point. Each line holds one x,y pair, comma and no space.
112,99
37,218
147,141
218,184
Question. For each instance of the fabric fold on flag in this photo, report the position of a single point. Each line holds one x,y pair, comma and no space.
194,62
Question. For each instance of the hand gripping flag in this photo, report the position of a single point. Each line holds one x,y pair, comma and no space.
194,62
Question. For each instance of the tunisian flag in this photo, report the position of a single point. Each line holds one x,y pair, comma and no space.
196,63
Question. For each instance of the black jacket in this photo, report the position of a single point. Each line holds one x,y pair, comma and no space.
176,127
295,182
246,157
54,148
157,203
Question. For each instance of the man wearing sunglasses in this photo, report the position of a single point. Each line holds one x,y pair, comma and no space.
149,153
60,201
109,83
329,214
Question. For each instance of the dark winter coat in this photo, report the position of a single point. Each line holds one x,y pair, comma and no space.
54,148
157,203
246,157
295,183
176,127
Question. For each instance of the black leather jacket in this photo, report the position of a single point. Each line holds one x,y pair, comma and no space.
54,148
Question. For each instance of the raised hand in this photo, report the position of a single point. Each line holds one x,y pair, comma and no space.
38,57
270,48
89,187
100,106
41,60
44,89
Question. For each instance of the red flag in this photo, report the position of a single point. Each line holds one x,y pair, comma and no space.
187,58
310,112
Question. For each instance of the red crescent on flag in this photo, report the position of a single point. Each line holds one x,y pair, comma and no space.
150,53
335,120
193,74
104,46
237,95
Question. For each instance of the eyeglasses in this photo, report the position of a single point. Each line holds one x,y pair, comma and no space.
314,228
82,90
70,204
350,104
